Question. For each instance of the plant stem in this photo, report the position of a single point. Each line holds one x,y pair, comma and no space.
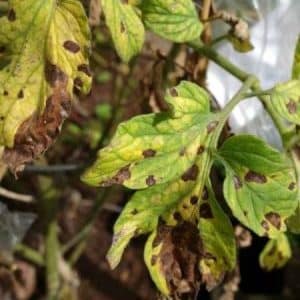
242,76
29,254
52,259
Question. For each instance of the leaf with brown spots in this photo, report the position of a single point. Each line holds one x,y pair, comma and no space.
257,186
151,145
44,42
285,100
276,253
126,28
170,206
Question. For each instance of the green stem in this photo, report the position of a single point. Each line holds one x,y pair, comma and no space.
52,260
242,76
29,254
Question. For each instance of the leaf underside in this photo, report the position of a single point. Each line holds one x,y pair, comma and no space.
45,46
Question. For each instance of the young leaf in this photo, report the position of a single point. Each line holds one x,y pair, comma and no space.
126,28
46,45
176,20
285,99
261,194
296,64
165,152
276,253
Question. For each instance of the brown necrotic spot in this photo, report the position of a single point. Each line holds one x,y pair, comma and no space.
205,211
194,200
265,225
173,92
149,153
78,82
5,93
237,182
21,94
292,186
205,194
122,27
200,150
182,151
2,49
292,107
11,15
134,212
274,218
191,173
53,74
252,176
150,180
153,260
84,68
212,126
177,216
71,46
122,175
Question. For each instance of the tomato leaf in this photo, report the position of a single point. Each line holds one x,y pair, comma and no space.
285,99
276,253
46,46
262,195
126,28
176,20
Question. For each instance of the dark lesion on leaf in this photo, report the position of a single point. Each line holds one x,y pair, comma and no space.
21,94
212,126
37,133
149,153
194,200
179,258
150,180
11,15
274,218
71,46
205,211
292,186
84,68
122,27
205,194
265,225
252,176
237,182
122,175
191,173
291,106
200,150
173,92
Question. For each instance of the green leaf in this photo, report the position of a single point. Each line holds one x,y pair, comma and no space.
285,100
296,64
260,194
126,28
46,46
165,152
276,253
157,148
176,20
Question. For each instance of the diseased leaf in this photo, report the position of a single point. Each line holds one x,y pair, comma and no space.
296,64
293,222
126,28
276,253
157,148
176,20
261,195
285,100
46,45
165,152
